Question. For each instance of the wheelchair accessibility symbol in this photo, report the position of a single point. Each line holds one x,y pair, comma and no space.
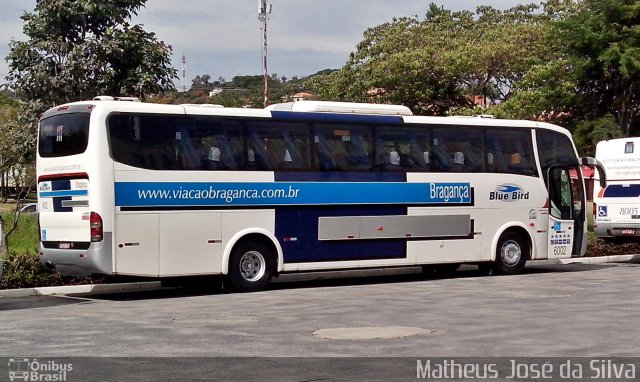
602,211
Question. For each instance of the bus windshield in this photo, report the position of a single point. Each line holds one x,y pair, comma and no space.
63,135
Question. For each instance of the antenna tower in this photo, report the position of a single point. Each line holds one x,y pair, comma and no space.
264,11
184,73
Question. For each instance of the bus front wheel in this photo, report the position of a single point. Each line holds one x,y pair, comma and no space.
511,254
251,266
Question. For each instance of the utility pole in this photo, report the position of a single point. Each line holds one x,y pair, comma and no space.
263,15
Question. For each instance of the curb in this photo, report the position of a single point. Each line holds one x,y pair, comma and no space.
96,289
93,289
600,259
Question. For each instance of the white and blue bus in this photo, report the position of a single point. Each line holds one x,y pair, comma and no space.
163,191
616,207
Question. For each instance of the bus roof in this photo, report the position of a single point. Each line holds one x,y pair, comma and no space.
403,113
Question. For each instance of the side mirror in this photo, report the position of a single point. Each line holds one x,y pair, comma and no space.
593,162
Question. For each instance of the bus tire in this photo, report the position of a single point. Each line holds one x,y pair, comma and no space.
511,254
251,266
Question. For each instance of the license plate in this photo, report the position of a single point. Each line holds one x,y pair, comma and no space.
629,232
64,245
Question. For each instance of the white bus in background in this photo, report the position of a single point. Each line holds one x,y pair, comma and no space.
165,191
616,207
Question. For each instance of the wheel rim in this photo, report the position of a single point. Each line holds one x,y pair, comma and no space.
511,253
252,266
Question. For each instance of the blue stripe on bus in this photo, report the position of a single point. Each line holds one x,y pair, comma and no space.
336,118
302,224
63,193
620,191
147,194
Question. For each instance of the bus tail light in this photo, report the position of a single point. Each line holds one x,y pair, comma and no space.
95,222
594,210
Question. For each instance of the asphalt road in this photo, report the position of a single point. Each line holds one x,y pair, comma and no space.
559,311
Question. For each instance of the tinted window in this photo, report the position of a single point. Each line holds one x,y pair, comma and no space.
176,143
145,141
210,144
342,148
510,151
277,146
402,148
457,149
554,149
64,134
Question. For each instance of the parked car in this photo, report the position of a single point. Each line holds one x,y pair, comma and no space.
29,208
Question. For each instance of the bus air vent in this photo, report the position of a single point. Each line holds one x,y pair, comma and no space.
341,108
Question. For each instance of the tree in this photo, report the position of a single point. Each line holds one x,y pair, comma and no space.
500,48
603,50
202,82
588,133
589,83
78,49
17,146
17,155
439,63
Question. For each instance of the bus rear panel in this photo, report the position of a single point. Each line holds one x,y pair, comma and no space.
617,206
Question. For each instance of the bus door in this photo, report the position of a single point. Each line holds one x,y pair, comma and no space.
566,212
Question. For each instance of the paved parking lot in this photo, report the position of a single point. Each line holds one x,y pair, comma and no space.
550,311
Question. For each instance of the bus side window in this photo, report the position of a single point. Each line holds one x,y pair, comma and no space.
343,148
458,161
495,156
124,148
399,148
189,159
158,138
443,160
324,159
473,149
512,151
421,157
274,146
257,147
358,157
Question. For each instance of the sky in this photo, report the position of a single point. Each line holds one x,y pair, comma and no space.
223,38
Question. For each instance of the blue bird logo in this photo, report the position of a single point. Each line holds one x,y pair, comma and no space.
509,188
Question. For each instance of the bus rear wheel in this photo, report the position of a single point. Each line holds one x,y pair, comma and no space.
511,254
251,266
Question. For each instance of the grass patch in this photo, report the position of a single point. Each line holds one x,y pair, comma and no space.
23,270
22,267
25,237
